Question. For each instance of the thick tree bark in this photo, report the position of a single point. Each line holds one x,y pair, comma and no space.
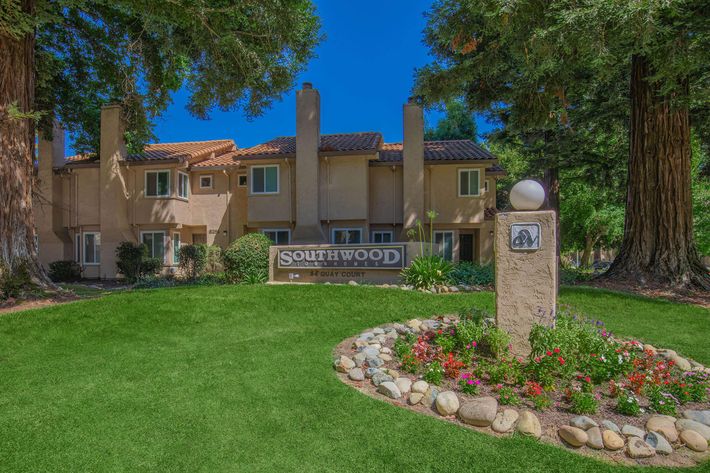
17,232
658,246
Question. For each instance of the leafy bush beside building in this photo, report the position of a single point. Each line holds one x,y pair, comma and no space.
133,261
193,260
64,271
247,259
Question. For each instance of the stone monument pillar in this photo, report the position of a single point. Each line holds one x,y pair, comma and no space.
526,273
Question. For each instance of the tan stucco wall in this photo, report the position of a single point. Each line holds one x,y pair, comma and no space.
441,188
385,194
344,188
272,207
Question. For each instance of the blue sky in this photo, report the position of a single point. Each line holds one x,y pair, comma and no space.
364,71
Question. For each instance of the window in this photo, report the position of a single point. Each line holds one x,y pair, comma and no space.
265,179
445,240
205,182
176,248
279,237
92,248
157,183
381,236
347,236
155,241
242,180
485,186
469,182
183,185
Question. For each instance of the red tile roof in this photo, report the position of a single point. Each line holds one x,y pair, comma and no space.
189,150
450,150
285,146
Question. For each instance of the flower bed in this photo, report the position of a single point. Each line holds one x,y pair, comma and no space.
650,405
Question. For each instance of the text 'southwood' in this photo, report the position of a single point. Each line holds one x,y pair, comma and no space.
343,256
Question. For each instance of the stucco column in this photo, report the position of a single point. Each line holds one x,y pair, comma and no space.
308,226
113,193
526,274
54,240
413,166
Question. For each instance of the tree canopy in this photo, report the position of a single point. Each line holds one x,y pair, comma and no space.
574,85
457,124
228,54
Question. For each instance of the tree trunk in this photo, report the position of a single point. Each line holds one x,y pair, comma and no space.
587,253
551,178
658,244
17,233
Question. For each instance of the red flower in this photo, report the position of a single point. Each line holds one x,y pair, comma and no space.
561,360
556,350
548,353
588,379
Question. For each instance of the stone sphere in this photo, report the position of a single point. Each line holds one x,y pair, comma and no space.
527,195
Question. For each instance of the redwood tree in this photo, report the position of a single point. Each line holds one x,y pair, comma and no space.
64,59
575,69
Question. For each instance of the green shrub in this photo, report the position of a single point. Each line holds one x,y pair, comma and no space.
583,403
628,404
508,397
427,271
153,281
472,274
258,277
13,283
662,402
572,275
214,259
64,271
434,374
247,258
192,260
541,402
133,262
496,341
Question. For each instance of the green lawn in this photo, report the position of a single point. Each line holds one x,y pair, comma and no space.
239,379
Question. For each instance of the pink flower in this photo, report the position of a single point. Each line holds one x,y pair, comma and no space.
478,381
499,386
470,381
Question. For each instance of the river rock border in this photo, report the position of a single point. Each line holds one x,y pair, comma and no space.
367,363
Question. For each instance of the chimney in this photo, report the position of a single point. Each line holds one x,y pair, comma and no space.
413,165
54,239
113,195
308,227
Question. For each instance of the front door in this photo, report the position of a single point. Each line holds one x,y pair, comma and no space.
466,247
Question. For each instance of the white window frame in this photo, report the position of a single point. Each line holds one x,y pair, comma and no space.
157,196
180,175
347,229
97,255
441,249
239,180
207,176
176,249
278,179
458,183
382,232
151,249
287,230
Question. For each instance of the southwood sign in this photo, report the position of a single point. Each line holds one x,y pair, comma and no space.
343,256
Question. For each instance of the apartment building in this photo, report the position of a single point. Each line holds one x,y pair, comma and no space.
341,188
